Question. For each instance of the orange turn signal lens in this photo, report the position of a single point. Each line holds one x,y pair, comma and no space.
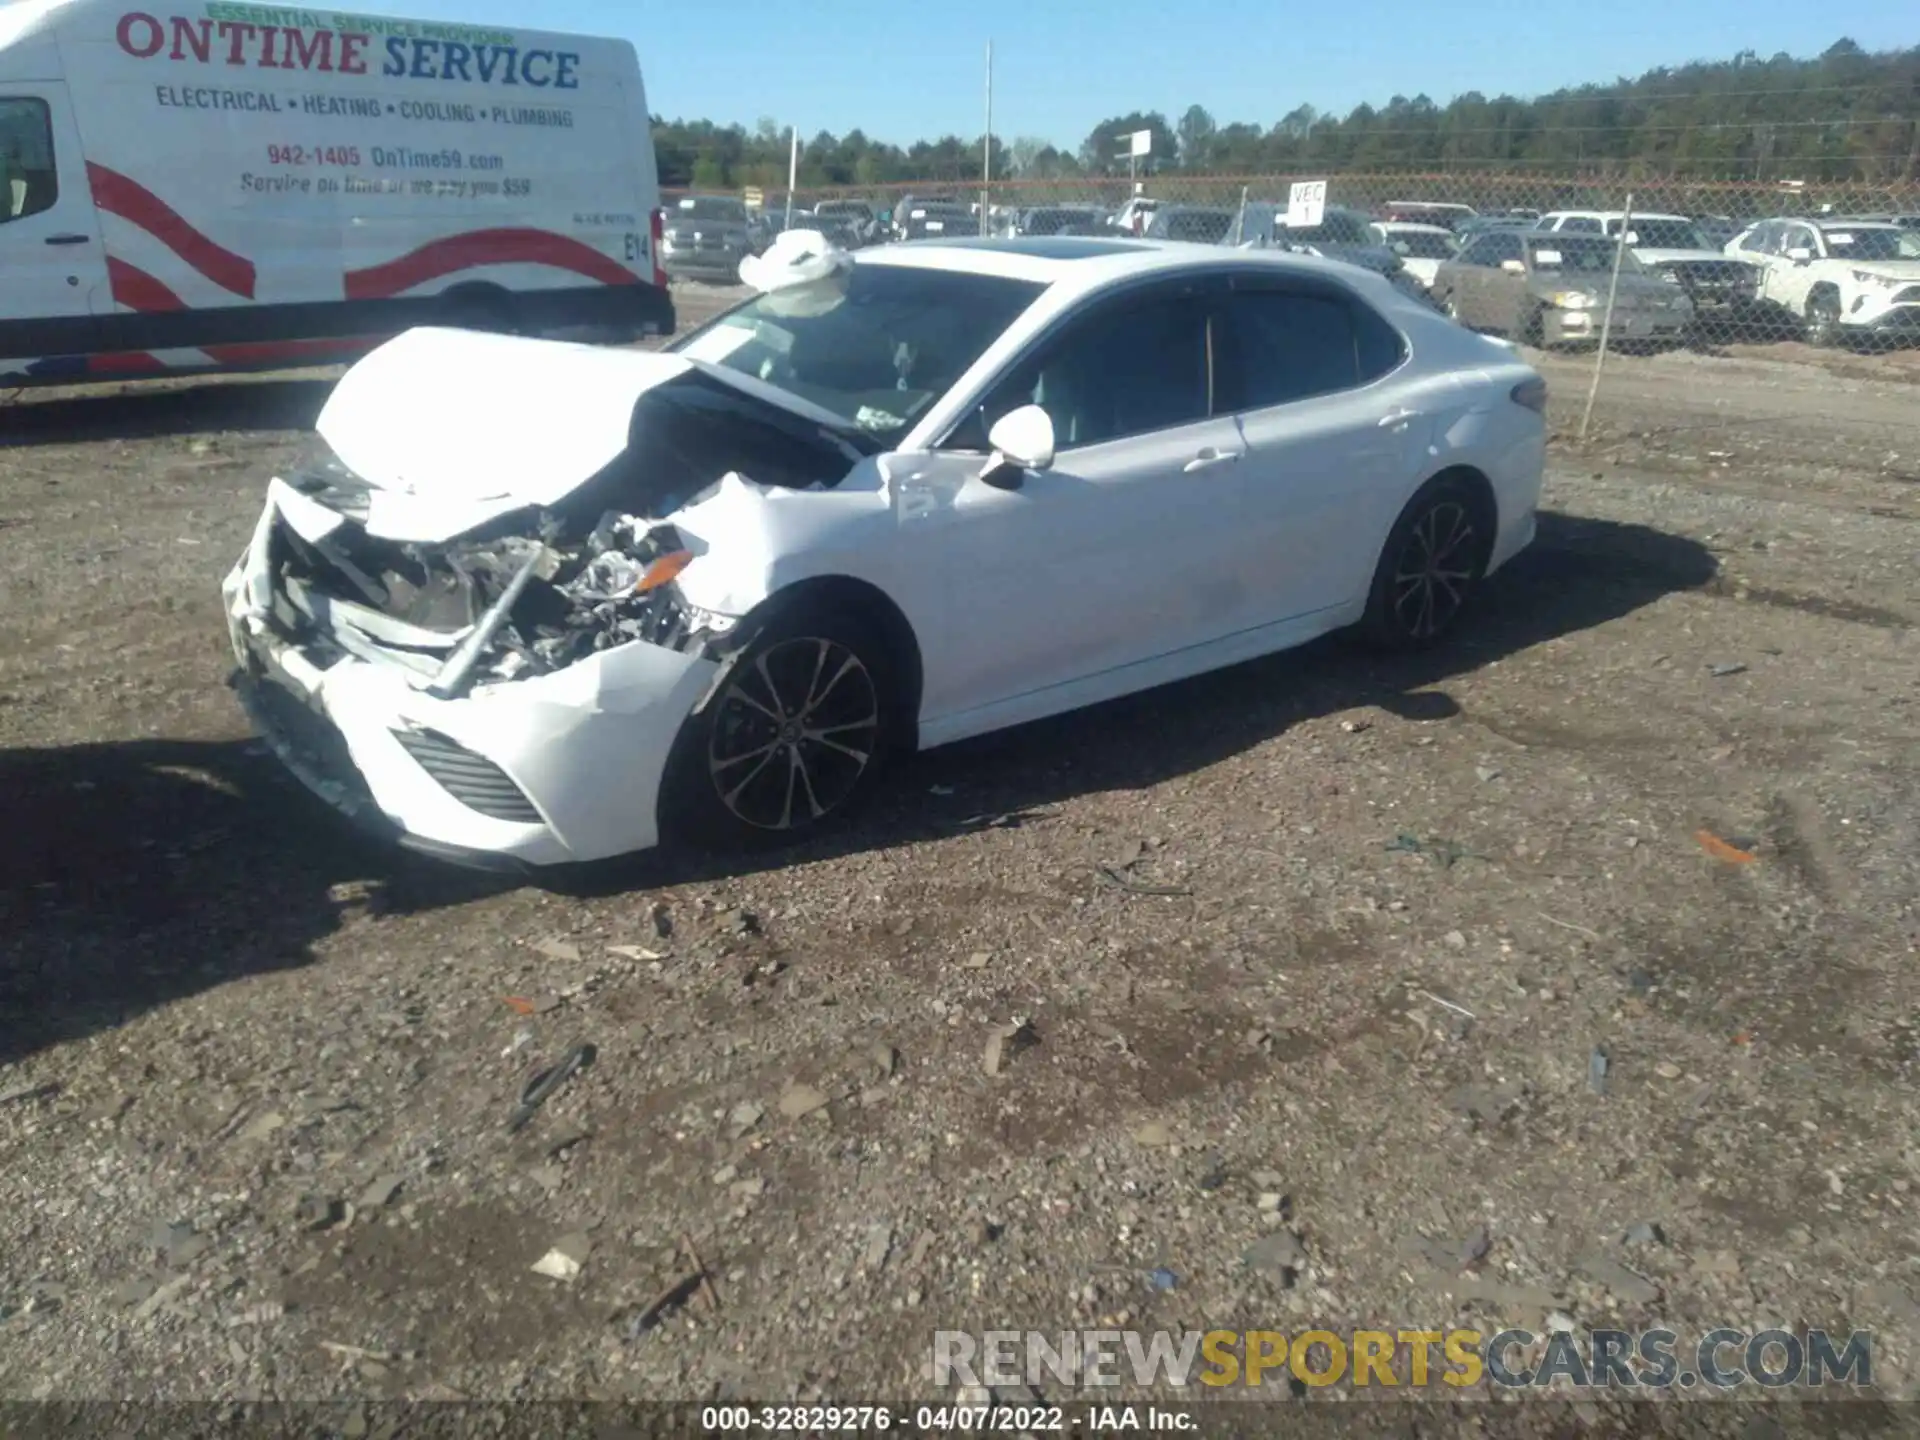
664,570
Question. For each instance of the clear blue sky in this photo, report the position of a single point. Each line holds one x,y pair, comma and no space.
903,71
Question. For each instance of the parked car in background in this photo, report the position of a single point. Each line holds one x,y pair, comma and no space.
1342,234
1480,224
1428,212
855,217
1840,280
1551,289
1061,220
935,220
698,596
1903,219
1134,215
1421,248
1716,230
1200,224
1671,247
706,237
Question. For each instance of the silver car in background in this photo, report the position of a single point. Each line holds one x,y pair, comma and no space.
705,238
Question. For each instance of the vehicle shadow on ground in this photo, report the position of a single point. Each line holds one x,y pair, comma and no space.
1579,573
139,873
145,414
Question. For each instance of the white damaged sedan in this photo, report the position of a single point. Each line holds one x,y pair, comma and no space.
524,603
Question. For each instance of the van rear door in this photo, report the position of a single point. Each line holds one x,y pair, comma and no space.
53,267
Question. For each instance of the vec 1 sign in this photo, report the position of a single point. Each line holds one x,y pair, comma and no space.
1306,204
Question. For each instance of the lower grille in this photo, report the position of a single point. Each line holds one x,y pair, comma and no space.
475,781
309,742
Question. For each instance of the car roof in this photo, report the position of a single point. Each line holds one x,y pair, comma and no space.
1084,263
1617,214
1412,226
1840,222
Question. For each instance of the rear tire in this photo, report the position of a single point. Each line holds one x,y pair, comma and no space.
486,312
1430,567
793,739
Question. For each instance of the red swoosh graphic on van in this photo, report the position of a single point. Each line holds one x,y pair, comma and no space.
134,203
485,247
139,291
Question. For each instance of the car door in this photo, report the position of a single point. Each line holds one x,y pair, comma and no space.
53,271
1466,280
1759,246
1115,552
1505,291
1791,280
1330,448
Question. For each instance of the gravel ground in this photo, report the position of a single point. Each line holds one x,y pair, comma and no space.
1454,1018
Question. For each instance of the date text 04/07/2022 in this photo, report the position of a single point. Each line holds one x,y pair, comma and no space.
938,1419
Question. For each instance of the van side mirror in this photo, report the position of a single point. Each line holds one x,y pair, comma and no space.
1800,255
1022,440
1514,267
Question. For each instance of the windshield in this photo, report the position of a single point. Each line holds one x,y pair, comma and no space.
1864,244
1662,234
1423,244
712,207
1577,255
876,346
1207,227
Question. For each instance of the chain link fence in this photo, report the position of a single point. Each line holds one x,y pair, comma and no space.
1735,328
1536,258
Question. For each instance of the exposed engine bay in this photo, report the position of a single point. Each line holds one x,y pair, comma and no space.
494,608
538,588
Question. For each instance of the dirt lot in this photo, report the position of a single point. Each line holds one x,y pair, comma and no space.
1449,970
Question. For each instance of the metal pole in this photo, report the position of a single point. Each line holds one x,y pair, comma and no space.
793,172
1606,320
986,153
1240,218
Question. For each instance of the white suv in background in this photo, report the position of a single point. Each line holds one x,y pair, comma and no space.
1671,248
1840,278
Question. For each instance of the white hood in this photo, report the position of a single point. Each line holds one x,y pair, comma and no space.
452,428
1649,256
1886,269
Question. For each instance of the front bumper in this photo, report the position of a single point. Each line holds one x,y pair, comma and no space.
566,767
1892,319
702,264
1573,327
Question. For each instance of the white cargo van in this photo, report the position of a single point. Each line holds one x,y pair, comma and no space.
212,186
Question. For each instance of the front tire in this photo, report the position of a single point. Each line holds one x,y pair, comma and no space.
1823,321
1432,562
793,739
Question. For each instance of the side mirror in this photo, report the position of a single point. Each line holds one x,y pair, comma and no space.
1633,237
1514,267
1800,255
1022,440
1400,247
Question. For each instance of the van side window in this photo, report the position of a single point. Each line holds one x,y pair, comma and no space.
27,183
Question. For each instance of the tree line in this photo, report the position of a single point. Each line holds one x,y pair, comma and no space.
1848,115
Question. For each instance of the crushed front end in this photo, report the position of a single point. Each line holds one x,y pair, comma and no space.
508,697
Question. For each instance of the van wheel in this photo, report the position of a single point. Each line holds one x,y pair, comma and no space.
488,313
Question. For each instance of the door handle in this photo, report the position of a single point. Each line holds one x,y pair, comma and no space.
67,239
1212,455
1397,419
